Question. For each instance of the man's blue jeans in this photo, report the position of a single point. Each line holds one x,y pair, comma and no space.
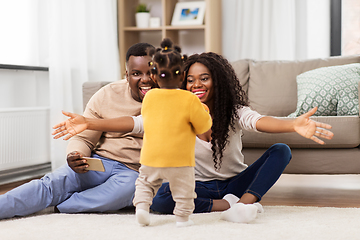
72,192
257,179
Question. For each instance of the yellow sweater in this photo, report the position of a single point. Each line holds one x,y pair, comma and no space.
172,118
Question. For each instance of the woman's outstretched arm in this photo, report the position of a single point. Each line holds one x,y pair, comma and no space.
303,125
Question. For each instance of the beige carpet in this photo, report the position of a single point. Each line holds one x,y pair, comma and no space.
277,222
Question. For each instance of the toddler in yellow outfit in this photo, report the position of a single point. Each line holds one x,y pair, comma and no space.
172,118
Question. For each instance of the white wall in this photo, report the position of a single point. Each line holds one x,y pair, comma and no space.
24,88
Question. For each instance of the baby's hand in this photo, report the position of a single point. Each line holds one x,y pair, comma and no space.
74,125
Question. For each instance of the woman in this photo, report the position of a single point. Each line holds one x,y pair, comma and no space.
223,181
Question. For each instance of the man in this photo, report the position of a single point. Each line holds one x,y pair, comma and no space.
72,188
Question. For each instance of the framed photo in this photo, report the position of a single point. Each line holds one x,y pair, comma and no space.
188,13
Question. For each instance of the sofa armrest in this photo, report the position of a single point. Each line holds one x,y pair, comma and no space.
89,88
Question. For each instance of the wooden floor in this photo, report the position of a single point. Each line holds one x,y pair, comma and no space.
315,190
301,190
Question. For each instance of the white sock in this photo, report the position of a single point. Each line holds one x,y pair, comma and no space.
231,199
142,217
240,213
259,207
185,224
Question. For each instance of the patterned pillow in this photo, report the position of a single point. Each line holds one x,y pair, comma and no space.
334,90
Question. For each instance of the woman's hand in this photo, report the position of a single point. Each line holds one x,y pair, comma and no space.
74,125
311,129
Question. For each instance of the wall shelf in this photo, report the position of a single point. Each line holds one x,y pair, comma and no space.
129,34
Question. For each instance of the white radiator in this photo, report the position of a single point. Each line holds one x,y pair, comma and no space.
24,138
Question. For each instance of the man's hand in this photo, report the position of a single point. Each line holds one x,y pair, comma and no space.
76,163
311,129
74,125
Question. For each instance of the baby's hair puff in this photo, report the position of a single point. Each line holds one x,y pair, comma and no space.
167,61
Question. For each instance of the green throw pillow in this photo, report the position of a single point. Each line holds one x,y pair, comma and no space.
334,90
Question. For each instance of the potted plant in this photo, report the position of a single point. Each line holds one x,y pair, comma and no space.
142,15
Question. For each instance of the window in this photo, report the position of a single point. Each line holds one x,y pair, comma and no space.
350,27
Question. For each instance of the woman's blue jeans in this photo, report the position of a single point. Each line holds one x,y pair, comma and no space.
257,179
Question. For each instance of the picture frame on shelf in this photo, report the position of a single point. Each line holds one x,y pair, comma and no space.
188,13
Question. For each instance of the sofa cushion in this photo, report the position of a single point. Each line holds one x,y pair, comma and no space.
89,88
241,68
272,84
346,131
334,90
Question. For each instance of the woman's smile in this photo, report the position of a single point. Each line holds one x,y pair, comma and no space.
199,92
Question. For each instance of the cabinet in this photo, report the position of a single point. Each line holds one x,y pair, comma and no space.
129,34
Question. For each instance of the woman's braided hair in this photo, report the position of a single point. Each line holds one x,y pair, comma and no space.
229,97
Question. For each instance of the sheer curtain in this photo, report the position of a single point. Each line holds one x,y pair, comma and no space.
275,29
82,46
